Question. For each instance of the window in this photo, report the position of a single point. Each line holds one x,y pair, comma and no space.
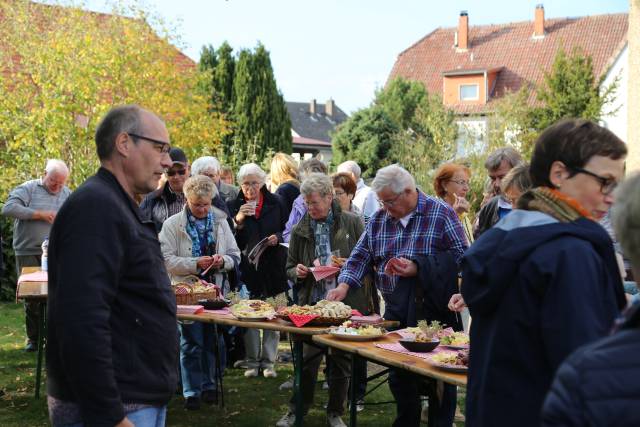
469,92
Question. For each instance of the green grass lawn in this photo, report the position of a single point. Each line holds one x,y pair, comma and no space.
249,402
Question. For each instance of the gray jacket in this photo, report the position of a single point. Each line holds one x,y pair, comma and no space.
175,243
228,192
23,201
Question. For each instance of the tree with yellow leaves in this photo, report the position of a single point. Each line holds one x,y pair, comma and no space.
62,68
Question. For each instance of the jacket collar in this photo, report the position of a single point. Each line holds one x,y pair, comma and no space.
110,179
304,230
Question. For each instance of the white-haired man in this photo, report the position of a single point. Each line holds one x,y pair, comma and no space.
365,198
413,245
33,206
210,166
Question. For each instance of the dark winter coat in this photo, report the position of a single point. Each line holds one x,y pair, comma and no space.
269,278
537,289
426,296
598,384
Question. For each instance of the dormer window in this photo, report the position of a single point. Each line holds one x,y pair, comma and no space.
469,92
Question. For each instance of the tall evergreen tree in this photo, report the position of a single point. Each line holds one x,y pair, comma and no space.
223,74
244,88
259,112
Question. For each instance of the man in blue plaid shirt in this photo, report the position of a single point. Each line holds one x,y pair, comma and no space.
410,224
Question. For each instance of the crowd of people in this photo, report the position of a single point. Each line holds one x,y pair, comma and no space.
538,279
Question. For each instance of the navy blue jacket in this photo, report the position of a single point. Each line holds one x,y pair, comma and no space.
111,335
437,280
537,289
598,384
288,192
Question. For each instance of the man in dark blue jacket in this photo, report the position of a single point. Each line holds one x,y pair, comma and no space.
112,338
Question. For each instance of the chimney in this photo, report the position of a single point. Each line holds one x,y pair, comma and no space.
312,106
538,27
328,108
463,31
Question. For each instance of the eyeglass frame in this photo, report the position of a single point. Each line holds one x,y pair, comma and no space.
255,184
166,147
460,182
604,182
390,203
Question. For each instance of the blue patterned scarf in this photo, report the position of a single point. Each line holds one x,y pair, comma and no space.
201,233
322,238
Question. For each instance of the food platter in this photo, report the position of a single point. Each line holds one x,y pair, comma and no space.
451,368
354,337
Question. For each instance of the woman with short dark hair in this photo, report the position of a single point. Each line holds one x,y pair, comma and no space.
544,280
344,188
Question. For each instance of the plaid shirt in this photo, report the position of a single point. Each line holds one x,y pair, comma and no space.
433,228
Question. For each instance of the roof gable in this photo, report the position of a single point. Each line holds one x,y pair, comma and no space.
522,59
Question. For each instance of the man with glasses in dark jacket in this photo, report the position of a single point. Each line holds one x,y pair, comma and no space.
112,341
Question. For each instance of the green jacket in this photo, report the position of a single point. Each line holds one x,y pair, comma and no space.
345,232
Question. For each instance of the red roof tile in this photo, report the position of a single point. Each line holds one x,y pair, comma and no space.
511,46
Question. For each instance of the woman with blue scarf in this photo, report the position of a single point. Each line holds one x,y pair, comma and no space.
194,240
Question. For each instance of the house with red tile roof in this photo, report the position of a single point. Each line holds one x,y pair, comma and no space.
471,67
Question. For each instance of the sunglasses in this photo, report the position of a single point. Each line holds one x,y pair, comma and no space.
180,172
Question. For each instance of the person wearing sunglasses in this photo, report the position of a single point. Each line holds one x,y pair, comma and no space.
169,199
544,280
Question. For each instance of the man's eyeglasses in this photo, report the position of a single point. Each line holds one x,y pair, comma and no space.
160,146
180,172
390,203
607,185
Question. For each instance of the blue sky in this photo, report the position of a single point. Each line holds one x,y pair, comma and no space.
343,49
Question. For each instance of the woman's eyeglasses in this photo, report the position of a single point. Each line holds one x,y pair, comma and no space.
180,172
607,185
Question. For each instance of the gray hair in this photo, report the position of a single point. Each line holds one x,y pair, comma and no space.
312,166
626,218
317,183
501,154
200,186
56,166
123,118
251,169
517,177
395,177
350,167
205,163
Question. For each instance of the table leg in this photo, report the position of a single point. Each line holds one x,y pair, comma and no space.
353,408
297,379
218,367
42,330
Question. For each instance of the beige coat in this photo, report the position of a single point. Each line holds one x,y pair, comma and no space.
175,243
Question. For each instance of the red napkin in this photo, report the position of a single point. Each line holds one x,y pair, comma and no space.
38,276
355,312
190,309
323,271
302,319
